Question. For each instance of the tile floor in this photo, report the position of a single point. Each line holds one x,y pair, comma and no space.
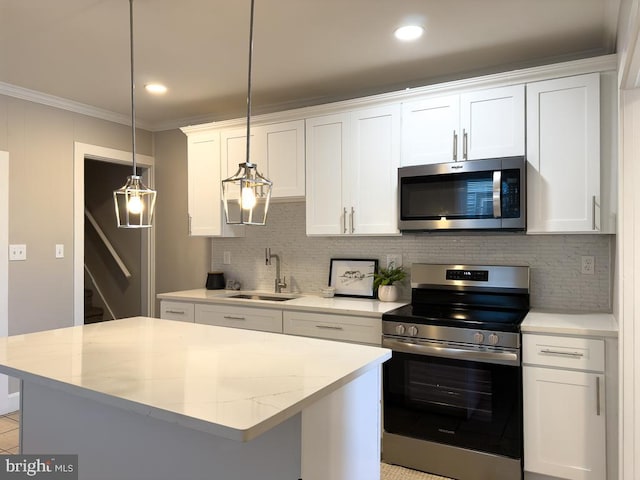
10,433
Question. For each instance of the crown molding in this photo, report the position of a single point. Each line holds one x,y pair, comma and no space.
69,105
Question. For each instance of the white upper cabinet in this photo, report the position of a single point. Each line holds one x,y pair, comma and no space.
470,126
352,161
278,151
204,191
563,154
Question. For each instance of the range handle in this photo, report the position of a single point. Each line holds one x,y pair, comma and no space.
457,352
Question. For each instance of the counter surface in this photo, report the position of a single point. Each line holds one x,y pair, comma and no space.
568,323
228,382
301,302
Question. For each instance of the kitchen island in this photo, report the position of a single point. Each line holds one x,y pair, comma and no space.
144,398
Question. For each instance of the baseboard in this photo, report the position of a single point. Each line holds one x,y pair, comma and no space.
13,403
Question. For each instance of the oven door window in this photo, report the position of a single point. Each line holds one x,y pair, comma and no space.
466,404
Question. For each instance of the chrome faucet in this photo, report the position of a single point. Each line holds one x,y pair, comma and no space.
279,284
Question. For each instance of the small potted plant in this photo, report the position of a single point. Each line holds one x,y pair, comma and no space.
384,280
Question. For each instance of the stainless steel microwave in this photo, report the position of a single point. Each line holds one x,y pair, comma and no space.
485,194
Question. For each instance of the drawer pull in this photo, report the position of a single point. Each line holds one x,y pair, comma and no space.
176,312
564,354
232,317
329,327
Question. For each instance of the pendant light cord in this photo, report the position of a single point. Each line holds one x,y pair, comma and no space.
133,101
249,82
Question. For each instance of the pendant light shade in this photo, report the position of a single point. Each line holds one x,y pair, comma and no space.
246,194
134,201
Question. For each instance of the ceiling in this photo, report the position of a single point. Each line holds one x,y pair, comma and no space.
305,51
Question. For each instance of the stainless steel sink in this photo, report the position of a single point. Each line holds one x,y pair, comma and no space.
271,298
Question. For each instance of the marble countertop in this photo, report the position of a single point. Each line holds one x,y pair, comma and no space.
301,302
570,323
228,382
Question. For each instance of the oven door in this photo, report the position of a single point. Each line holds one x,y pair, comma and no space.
454,396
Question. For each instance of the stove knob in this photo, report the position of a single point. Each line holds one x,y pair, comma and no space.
494,339
413,331
478,337
400,329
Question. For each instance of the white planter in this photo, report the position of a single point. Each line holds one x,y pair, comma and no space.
388,293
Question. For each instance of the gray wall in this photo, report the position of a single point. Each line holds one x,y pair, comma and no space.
40,141
182,262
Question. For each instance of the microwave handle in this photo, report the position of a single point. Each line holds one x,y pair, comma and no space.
497,204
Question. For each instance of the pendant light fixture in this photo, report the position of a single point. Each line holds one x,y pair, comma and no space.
246,194
134,201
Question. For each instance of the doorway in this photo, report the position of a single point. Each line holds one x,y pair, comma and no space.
95,169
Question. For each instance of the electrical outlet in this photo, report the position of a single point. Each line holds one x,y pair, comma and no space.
226,258
17,252
394,260
588,264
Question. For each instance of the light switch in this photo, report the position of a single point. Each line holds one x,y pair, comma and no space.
17,252
59,250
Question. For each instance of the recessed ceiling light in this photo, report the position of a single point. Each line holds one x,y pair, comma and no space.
409,32
155,88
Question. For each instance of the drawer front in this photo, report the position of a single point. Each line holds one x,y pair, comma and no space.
181,311
344,328
264,319
564,352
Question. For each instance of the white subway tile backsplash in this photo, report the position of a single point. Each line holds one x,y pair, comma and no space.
555,260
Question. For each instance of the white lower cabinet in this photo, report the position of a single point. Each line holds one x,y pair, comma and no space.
345,328
181,311
564,408
264,319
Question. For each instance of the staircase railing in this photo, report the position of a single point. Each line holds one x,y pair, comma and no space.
107,243
99,292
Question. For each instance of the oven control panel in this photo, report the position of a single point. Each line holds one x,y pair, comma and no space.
473,275
451,334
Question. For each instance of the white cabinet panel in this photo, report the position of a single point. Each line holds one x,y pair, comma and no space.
264,319
204,190
564,407
334,327
564,423
492,123
470,126
181,311
563,154
352,162
430,130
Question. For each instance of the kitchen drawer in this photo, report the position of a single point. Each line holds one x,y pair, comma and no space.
181,311
264,319
334,327
564,352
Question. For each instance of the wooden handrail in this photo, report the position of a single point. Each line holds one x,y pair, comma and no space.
107,243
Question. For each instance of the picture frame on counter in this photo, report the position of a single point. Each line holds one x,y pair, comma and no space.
353,277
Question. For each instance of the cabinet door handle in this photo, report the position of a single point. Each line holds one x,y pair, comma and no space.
329,327
232,317
455,146
595,207
598,396
344,220
465,148
176,312
351,219
565,354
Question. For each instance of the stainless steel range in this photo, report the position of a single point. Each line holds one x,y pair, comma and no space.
453,388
